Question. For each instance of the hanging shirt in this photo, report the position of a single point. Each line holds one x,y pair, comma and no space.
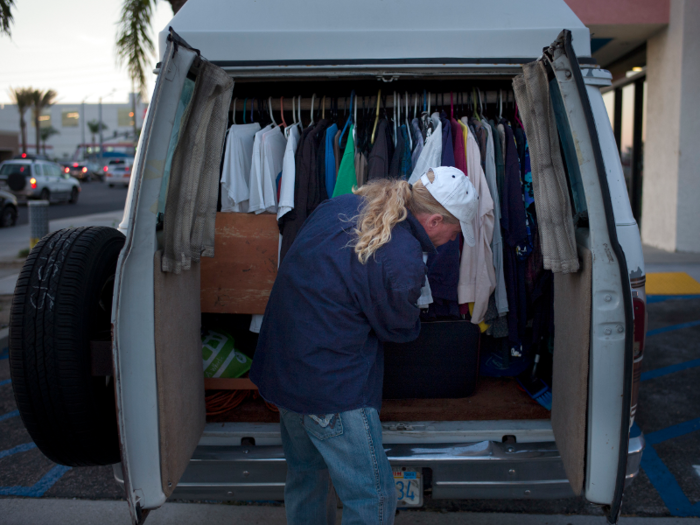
500,164
286,201
417,142
379,160
477,277
257,199
459,146
501,296
360,167
347,178
329,160
431,156
235,175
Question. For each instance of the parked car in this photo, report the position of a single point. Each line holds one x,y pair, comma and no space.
143,326
117,172
79,170
39,179
8,209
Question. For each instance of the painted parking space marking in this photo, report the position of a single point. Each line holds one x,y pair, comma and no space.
9,415
672,327
16,450
652,374
40,487
671,283
660,476
5,382
651,299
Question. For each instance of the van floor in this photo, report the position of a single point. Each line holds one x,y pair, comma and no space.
494,399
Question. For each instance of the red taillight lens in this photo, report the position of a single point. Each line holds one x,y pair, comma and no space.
32,181
67,170
75,164
84,170
127,169
639,305
24,155
106,168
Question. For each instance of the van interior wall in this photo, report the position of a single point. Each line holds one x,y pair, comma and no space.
494,398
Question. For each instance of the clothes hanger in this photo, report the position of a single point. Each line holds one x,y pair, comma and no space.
348,121
395,119
245,106
252,106
313,99
284,123
376,118
500,104
415,106
269,107
452,107
476,114
234,109
323,107
408,126
430,96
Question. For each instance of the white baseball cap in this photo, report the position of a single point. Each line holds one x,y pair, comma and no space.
453,189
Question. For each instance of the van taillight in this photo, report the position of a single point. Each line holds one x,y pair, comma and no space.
639,304
66,170
32,181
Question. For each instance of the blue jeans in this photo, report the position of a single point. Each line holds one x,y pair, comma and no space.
342,451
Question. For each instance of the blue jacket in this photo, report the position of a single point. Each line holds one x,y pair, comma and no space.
320,346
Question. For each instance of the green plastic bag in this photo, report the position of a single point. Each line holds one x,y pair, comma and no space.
220,356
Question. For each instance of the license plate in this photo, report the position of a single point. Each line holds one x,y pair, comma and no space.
409,487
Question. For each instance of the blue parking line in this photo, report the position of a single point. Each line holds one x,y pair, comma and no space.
16,450
651,299
673,432
40,487
666,485
652,374
4,353
5,382
9,415
672,327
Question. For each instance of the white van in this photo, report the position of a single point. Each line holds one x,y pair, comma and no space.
117,315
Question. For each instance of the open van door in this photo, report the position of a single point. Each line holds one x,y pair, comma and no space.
157,347
593,352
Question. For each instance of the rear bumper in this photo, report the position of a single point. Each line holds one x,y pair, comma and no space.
116,179
483,470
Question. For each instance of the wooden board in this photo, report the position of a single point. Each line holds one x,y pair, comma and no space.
239,278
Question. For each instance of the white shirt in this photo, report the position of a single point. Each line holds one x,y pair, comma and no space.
431,156
256,200
235,176
274,144
477,276
286,203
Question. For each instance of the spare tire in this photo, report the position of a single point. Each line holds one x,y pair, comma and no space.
62,301
17,181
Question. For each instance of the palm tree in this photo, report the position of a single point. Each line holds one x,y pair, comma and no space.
41,100
47,133
134,44
94,126
22,97
6,16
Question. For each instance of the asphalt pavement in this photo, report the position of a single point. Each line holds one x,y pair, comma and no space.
95,197
667,490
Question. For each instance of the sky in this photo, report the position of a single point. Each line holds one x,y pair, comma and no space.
69,46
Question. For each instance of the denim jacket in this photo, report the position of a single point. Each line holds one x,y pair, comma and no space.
320,345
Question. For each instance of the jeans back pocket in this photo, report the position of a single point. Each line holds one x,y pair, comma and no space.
323,426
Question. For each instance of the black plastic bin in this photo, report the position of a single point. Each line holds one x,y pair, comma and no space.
442,363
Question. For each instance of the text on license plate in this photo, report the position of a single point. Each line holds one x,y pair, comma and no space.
409,487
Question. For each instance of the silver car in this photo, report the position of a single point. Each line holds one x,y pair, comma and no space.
38,179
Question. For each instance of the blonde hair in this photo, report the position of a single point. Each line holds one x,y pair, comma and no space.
386,203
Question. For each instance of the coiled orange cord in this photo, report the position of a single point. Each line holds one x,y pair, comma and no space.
221,401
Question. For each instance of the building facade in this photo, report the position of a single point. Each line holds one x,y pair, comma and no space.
652,48
71,123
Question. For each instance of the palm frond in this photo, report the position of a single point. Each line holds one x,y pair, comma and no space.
134,44
6,16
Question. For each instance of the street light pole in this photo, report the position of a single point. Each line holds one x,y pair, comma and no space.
99,126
